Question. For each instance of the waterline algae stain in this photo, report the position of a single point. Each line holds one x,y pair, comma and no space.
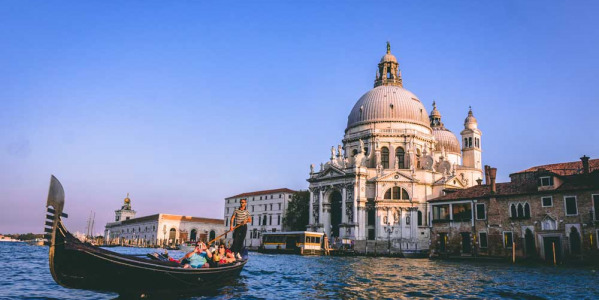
26,275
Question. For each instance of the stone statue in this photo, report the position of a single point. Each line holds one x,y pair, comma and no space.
388,47
332,152
321,167
311,168
339,150
361,146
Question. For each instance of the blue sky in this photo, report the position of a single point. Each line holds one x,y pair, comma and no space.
182,104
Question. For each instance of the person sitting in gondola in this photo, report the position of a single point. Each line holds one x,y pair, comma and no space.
223,255
198,258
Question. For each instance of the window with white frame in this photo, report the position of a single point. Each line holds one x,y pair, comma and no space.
571,206
547,201
480,211
546,181
519,210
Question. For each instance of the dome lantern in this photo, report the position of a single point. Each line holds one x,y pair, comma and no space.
388,70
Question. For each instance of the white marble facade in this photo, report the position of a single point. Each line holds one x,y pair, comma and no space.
393,158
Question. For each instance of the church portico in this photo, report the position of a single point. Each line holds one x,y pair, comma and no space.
394,156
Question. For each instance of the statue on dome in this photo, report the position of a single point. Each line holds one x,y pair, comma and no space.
339,150
388,47
311,168
332,152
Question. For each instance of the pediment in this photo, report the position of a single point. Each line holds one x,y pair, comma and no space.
450,181
394,176
331,171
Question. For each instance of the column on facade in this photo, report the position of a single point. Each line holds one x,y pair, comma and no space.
311,216
355,207
343,205
377,223
321,195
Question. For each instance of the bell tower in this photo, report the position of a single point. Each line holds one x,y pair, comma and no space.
388,72
125,213
471,147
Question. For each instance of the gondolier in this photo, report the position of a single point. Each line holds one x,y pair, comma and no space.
241,217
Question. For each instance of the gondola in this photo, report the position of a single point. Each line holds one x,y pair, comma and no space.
79,265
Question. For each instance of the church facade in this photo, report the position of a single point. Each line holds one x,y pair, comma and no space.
394,156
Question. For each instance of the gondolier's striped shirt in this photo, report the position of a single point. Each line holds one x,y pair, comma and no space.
241,216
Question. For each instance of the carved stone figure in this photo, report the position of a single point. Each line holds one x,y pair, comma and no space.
339,150
361,146
349,211
332,152
311,168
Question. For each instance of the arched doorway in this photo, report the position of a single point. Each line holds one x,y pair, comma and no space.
335,200
194,235
172,235
212,235
574,241
529,242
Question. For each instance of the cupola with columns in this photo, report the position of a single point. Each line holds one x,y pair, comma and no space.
388,72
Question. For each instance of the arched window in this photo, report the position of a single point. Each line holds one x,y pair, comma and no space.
397,193
470,142
465,142
385,157
419,218
513,211
526,210
399,155
520,210
354,152
418,158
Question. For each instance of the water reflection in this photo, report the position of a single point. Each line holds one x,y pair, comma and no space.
26,275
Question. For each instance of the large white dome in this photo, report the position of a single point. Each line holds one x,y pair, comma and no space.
388,103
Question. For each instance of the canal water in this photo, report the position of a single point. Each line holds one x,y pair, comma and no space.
24,274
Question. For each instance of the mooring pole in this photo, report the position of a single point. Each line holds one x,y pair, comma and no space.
554,261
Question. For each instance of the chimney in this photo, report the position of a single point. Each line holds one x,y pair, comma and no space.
479,181
487,174
492,175
585,164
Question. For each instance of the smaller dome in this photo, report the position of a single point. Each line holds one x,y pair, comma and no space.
389,58
446,139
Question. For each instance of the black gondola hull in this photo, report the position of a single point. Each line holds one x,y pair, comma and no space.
82,266
78,265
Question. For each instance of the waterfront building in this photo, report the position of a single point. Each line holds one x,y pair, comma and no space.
267,209
542,208
393,158
159,229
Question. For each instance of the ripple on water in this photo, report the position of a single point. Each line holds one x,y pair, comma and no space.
26,275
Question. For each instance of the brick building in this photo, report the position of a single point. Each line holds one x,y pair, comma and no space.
541,208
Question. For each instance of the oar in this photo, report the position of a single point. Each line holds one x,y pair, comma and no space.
216,238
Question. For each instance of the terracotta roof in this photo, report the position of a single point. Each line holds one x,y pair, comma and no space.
567,168
258,193
504,189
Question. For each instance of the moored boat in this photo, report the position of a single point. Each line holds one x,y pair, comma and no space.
79,265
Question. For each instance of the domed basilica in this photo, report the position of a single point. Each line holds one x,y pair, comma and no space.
394,157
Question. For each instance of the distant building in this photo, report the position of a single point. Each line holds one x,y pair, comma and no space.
541,208
267,209
394,157
159,229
